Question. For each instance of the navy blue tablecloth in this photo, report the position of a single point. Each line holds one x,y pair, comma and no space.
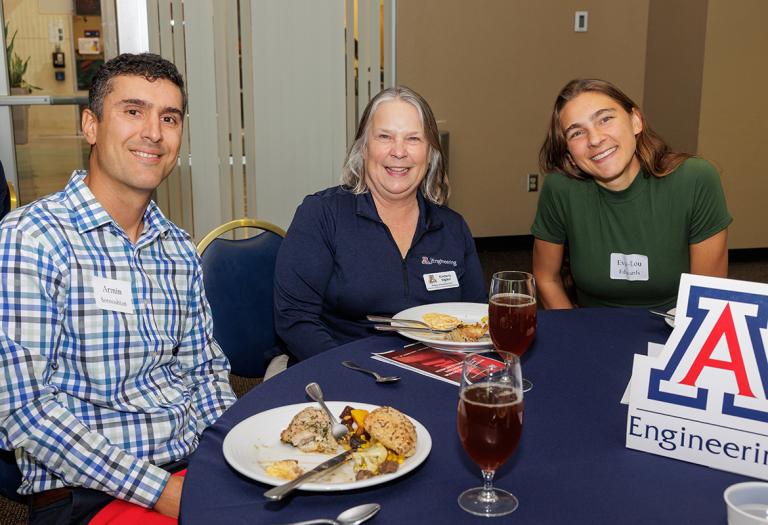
571,466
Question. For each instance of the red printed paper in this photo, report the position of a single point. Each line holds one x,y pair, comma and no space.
438,364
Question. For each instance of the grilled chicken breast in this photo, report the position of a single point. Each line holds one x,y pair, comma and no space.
310,431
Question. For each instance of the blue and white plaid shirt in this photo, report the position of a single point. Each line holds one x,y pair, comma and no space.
90,396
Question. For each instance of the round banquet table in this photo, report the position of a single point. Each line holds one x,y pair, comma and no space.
571,466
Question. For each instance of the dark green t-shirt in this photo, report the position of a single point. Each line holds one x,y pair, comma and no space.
628,248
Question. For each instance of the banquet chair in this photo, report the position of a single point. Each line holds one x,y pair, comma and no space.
8,199
238,275
12,195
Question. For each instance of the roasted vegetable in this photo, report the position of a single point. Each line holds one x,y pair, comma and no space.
370,458
358,415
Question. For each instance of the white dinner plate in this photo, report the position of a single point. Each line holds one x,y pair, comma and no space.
670,320
469,313
254,443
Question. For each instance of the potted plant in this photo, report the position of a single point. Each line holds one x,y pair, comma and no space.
16,70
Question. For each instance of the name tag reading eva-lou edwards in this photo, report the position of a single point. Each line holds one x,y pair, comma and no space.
111,294
629,267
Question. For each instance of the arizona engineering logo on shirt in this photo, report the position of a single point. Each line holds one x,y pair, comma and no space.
425,259
704,399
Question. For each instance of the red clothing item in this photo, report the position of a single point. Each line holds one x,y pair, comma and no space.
121,512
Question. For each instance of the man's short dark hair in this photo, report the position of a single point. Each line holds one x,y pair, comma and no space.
147,65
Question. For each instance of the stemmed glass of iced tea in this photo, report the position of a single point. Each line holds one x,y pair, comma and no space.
490,422
512,313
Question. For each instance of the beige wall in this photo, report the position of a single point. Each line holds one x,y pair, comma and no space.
733,131
673,70
491,70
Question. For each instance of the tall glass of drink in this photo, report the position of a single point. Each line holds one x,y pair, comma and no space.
490,422
512,313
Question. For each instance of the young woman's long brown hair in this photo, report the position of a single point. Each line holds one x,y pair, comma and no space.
654,154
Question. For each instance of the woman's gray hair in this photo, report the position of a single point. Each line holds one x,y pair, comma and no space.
435,186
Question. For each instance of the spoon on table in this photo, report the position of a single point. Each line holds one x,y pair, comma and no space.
353,516
379,377
315,393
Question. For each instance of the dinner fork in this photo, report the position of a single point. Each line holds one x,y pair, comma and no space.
315,393
665,315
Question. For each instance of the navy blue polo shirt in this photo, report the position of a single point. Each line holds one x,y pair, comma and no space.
339,262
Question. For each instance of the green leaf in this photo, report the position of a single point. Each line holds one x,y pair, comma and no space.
16,67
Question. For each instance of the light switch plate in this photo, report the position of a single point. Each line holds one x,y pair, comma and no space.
580,21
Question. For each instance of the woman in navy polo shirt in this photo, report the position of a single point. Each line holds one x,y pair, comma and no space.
381,242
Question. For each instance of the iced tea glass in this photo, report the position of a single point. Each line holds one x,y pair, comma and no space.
512,313
489,423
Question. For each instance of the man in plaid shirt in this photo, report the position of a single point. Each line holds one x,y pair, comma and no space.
110,369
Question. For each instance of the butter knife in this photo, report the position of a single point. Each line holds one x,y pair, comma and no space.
277,493
401,322
393,328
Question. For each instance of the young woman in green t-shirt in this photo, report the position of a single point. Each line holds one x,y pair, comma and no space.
633,213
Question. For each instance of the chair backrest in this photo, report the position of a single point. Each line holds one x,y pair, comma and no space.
8,200
239,277
12,197
10,477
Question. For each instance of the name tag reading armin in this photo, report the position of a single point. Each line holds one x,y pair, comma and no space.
111,294
629,267
441,280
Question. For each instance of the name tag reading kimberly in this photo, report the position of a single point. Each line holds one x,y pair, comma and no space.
629,267
441,280
111,294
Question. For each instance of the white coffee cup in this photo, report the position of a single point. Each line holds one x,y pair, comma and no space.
747,503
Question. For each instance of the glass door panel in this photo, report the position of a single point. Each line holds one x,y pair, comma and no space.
52,50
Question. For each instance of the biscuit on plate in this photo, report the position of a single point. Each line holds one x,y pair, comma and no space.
393,429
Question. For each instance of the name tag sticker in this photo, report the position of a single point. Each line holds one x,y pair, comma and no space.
111,294
629,267
441,280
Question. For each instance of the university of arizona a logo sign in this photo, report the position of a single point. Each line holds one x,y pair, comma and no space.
704,399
